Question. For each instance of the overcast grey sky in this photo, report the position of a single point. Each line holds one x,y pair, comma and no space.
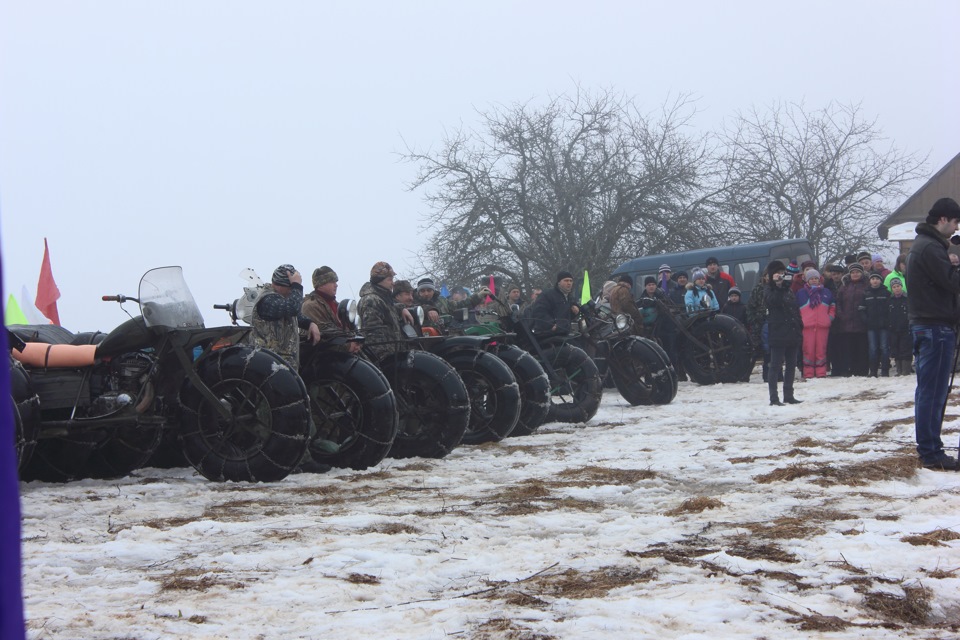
233,134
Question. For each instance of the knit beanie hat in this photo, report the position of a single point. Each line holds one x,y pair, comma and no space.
426,283
775,266
678,274
855,267
649,280
664,267
281,275
381,271
877,257
944,208
734,291
811,273
563,275
698,274
895,280
324,275
864,254
625,277
793,268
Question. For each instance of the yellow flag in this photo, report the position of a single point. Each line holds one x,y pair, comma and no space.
13,314
585,293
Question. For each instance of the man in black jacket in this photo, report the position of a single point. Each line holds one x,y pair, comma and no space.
555,309
934,284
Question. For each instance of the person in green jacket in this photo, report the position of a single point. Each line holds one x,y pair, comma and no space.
899,271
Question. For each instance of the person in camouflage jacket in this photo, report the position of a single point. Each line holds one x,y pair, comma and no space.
320,305
277,318
381,319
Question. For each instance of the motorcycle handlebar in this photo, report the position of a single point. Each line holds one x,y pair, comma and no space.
225,307
117,298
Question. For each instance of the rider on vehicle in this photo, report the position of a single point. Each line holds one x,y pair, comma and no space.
277,317
380,317
320,305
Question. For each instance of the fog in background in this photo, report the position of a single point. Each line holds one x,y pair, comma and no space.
225,135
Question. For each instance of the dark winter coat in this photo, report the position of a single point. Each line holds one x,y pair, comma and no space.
849,299
736,309
932,281
783,317
551,308
898,318
875,307
621,301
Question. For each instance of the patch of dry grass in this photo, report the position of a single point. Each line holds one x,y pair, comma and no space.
806,441
505,629
676,553
912,607
742,460
594,475
576,584
745,547
191,579
417,466
695,505
362,578
934,538
895,467
783,529
817,622
391,529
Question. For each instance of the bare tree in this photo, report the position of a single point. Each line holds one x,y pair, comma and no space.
822,175
583,182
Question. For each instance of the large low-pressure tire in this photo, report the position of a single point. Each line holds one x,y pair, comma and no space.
575,394
432,401
352,406
123,449
494,394
726,354
534,389
642,372
26,413
266,434
62,459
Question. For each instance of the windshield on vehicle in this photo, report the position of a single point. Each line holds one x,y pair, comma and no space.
166,301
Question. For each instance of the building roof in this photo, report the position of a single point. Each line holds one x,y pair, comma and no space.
944,184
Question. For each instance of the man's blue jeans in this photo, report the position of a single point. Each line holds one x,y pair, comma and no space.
934,346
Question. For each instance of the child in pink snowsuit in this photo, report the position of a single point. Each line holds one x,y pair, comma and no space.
817,310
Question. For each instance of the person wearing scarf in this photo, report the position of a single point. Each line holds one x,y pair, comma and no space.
817,311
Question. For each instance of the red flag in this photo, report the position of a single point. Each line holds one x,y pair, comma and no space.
493,290
47,291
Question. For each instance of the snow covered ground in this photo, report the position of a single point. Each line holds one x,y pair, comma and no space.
716,516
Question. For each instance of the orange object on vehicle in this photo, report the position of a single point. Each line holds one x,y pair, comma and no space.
430,331
42,355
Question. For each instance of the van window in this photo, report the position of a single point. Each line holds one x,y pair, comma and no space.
746,275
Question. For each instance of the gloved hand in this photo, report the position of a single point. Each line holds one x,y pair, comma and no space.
484,292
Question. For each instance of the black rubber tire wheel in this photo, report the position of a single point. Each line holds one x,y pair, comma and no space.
62,459
534,389
267,434
494,395
352,404
169,453
124,449
26,413
728,353
643,376
575,395
432,401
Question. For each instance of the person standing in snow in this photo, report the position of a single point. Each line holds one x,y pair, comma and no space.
934,285
874,310
700,296
852,331
901,343
555,310
784,328
817,312
719,280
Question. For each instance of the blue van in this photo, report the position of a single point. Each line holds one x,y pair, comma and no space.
745,262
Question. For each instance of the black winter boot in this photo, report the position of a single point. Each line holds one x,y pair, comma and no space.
775,399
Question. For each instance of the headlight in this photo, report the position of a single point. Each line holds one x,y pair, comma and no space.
622,321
